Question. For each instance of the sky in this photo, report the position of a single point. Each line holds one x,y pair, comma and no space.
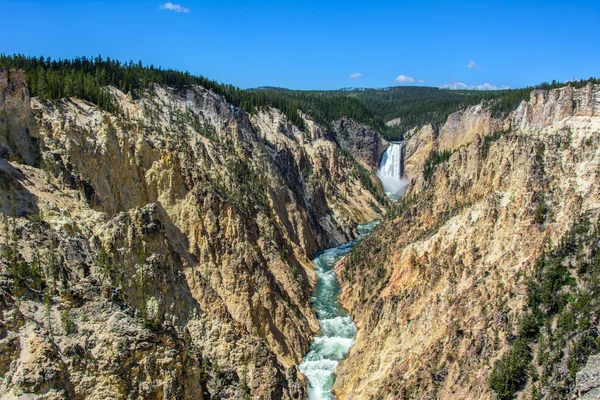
326,44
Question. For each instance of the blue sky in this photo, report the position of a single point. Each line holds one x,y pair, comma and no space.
322,44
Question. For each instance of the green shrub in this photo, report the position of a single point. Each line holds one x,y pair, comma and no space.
529,326
510,372
541,211
434,160
67,322
283,254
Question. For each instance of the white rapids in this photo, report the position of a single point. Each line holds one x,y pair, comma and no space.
337,329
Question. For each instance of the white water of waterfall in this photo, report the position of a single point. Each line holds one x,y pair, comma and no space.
391,171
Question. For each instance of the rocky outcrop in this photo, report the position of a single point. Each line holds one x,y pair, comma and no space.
18,130
588,380
163,251
547,108
460,129
544,109
438,289
394,122
360,140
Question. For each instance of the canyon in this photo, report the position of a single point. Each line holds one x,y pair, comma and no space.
181,247
438,292
163,252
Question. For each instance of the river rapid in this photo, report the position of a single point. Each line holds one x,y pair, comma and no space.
336,337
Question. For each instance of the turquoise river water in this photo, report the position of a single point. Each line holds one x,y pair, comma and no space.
333,342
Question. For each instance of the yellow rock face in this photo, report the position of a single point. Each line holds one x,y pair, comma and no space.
173,241
437,288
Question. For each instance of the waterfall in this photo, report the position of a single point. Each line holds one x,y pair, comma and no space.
391,171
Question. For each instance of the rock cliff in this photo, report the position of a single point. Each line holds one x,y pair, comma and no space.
18,130
360,140
162,251
439,290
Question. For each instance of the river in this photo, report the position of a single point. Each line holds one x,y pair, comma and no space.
333,342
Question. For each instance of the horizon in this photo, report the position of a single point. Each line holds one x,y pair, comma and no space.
315,46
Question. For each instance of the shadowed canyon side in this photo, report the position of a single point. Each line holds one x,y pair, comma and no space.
482,281
163,251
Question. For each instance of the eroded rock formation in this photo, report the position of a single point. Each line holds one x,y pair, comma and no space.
360,140
438,289
162,251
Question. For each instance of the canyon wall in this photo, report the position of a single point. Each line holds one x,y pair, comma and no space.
360,140
162,251
438,290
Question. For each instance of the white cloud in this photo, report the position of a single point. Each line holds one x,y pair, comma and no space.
472,64
404,79
463,86
421,81
174,7
355,75
455,86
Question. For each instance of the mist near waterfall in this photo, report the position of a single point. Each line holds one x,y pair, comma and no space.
391,171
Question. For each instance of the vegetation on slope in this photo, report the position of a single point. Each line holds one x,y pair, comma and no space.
412,105
556,331
434,160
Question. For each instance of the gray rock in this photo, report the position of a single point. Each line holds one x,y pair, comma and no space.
18,129
360,140
587,384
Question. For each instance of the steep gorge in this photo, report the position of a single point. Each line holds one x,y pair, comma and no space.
163,251
438,290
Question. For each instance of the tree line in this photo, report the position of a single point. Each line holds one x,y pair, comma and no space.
414,106
86,78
